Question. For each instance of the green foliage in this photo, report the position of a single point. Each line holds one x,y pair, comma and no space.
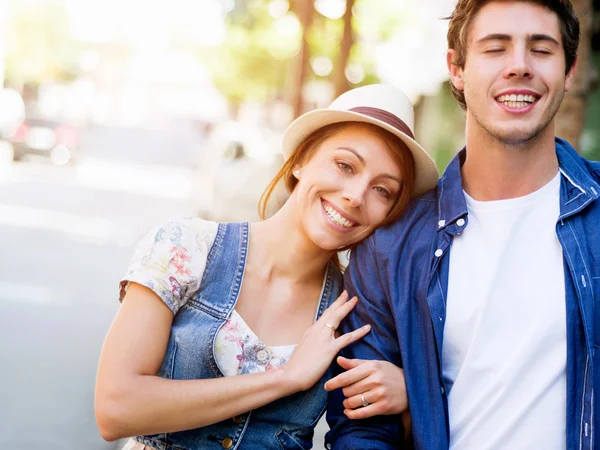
256,59
591,133
39,46
378,20
251,62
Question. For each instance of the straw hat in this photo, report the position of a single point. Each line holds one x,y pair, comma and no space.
379,104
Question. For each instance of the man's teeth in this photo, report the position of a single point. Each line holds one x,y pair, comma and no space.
516,101
336,217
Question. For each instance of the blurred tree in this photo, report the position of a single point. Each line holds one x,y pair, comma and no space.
305,10
571,116
251,62
340,81
39,47
270,44
590,141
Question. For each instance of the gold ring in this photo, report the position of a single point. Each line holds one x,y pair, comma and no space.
328,325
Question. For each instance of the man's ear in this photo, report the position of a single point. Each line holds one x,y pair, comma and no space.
456,72
571,75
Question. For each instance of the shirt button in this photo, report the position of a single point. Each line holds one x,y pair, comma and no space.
237,419
262,355
441,223
227,443
442,389
439,252
460,222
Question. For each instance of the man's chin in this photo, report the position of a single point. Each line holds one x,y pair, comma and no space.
516,137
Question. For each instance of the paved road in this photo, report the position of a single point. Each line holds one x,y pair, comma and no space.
66,235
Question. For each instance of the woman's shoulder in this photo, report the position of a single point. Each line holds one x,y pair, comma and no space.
171,258
186,231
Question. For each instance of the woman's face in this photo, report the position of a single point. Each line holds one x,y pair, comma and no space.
347,188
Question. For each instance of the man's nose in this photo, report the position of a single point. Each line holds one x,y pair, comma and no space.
519,65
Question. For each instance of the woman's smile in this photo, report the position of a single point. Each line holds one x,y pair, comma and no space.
337,219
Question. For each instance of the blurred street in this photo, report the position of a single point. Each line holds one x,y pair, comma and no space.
67,235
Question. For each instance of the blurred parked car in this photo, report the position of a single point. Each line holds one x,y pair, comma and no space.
55,140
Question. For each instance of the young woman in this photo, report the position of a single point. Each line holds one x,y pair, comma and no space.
227,330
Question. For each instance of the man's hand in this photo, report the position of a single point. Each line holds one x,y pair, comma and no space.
379,385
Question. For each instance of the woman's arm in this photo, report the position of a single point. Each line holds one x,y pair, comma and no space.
131,400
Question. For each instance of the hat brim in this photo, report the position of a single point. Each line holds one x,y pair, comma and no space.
426,172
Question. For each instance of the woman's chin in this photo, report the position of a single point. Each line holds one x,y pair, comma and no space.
330,243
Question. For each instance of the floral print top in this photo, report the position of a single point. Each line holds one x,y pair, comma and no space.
170,260
238,350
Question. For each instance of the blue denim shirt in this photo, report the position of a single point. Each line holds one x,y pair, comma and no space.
286,424
401,277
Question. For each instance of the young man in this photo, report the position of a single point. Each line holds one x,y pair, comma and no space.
487,291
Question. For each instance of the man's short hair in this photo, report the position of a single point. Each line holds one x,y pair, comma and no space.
465,11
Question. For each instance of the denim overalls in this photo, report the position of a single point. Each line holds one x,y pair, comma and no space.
287,423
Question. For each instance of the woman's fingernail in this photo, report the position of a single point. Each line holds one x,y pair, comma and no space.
367,327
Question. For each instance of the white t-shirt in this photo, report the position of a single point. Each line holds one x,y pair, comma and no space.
505,348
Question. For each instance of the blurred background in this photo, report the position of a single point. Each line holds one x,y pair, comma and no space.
118,115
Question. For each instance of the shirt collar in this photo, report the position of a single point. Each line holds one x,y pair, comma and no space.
575,170
451,199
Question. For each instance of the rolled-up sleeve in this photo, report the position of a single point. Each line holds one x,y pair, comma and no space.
364,279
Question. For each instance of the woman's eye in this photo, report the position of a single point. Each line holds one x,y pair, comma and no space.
541,51
344,167
383,191
494,50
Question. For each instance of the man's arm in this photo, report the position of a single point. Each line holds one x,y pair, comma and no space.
362,279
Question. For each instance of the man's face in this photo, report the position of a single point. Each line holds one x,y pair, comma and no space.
514,75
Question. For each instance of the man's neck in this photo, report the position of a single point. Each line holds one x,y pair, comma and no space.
496,171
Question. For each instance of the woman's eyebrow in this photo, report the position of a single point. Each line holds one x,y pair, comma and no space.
362,160
351,150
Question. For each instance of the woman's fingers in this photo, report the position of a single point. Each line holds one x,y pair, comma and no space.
350,337
341,300
342,311
337,311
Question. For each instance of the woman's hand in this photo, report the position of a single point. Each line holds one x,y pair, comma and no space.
320,344
371,388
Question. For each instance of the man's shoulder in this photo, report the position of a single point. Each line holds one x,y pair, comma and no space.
416,225
571,158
